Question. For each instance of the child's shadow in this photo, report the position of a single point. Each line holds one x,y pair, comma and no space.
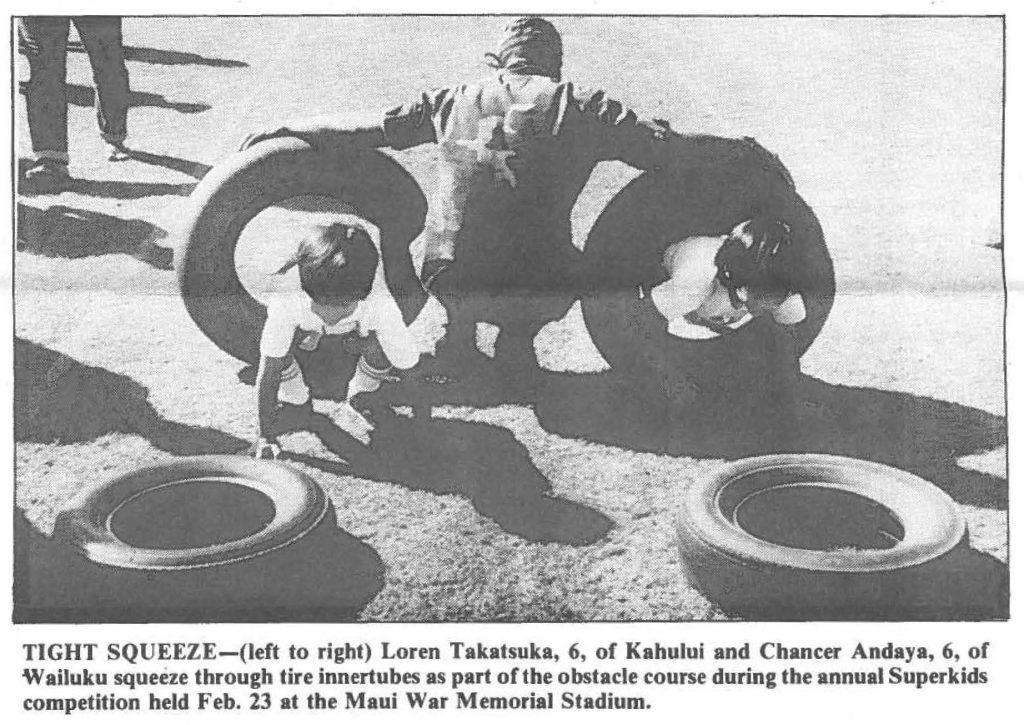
483,462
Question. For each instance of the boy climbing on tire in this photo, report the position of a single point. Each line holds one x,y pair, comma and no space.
340,291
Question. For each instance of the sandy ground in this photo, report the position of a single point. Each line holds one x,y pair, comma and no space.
891,132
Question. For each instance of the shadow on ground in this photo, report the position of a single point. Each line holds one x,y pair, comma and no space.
62,231
112,189
917,434
85,97
326,576
60,400
922,435
157,56
914,433
72,233
190,168
482,462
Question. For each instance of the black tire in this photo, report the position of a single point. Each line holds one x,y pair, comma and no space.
624,253
375,185
880,533
299,505
299,567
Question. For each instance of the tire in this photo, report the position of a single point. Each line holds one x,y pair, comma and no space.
375,185
879,535
299,566
624,252
299,504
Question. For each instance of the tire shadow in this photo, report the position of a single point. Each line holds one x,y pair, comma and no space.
63,231
326,576
60,400
482,462
921,435
962,585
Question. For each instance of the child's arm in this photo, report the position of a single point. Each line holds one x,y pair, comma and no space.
268,380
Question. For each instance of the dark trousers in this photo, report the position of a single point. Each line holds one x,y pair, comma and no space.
44,41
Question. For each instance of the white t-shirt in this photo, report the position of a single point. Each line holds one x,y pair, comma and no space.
289,311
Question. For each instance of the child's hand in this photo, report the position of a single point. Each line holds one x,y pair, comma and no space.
310,341
265,449
430,326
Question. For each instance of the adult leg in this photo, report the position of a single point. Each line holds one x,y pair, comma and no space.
101,37
544,287
458,347
43,40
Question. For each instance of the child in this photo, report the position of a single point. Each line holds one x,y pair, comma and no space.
342,293
717,284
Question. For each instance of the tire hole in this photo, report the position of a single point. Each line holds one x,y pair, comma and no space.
190,514
805,516
269,240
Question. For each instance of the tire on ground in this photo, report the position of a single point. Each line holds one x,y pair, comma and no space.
880,537
376,186
277,555
624,252
299,504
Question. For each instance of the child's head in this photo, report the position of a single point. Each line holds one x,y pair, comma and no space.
756,263
337,264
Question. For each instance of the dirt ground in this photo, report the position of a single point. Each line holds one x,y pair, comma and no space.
892,134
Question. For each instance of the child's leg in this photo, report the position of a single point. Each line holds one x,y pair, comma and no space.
372,370
293,389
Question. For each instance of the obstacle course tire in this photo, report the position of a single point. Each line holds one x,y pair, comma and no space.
808,536
375,185
299,505
624,251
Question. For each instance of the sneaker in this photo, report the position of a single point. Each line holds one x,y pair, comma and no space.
47,176
117,151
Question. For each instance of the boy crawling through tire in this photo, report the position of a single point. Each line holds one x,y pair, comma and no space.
341,291
719,283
